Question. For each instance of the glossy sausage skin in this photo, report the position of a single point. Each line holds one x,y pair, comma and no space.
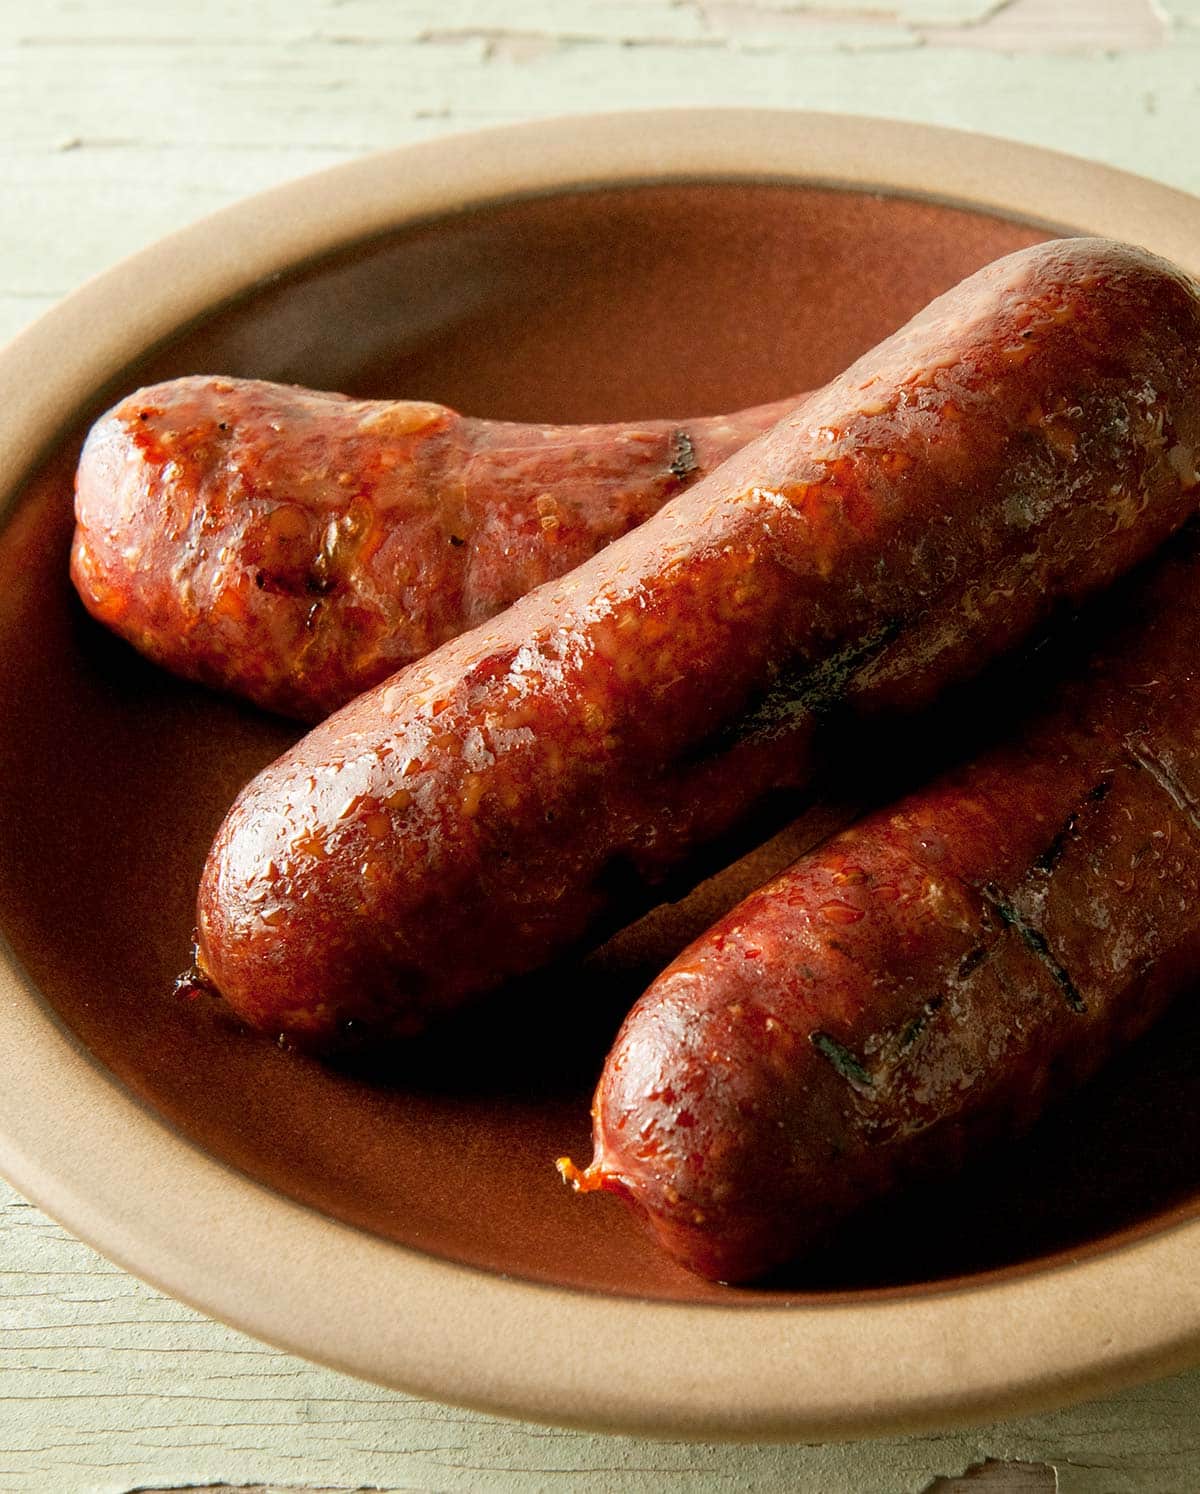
1025,440
930,978
296,547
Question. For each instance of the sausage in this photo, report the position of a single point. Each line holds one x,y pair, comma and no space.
1022,442
927,980
297,547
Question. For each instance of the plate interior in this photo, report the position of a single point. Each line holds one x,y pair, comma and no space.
596,305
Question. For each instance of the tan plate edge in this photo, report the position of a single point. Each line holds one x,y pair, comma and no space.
78,1144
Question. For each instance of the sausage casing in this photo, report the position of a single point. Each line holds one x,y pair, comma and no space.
296,547
929,979
1026,439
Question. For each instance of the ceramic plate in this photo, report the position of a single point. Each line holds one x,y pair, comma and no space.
405,1223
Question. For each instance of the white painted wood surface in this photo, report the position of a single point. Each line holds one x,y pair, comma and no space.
120,121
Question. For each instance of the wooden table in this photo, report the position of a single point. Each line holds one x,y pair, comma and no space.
121,121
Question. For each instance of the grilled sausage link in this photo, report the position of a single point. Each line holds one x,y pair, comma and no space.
1019,444
297,548
930,978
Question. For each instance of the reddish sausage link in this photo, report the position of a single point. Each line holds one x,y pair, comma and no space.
928,979
297,547
1026,439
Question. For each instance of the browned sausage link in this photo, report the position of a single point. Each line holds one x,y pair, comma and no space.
297,547
1024,440
928,979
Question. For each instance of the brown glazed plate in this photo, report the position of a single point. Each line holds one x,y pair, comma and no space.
405,1223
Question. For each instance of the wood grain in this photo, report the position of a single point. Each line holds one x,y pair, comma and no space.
108,1386
120,122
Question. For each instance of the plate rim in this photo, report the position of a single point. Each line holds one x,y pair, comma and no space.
76,1142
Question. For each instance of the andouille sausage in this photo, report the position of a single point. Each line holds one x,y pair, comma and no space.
930,978
1022,442
296,547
